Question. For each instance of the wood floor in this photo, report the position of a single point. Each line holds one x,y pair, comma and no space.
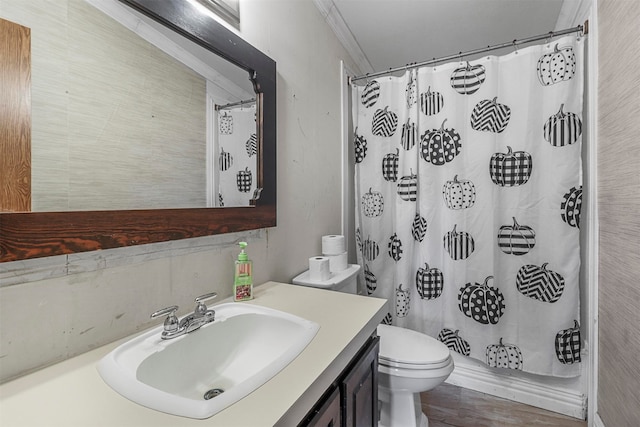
448,405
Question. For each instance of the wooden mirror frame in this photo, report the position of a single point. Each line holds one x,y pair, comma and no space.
41,234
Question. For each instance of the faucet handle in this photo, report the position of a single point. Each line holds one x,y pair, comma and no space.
201,307
171,322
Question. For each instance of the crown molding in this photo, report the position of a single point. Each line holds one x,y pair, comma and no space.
340,28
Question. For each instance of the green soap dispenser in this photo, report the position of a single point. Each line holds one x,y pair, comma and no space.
243,280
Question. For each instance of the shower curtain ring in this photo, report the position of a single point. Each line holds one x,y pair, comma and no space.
515,46
549,37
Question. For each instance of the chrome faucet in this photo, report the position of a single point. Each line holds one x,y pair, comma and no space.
201,316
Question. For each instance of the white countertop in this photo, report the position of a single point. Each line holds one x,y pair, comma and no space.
71,393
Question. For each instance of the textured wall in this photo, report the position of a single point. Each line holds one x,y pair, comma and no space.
619,211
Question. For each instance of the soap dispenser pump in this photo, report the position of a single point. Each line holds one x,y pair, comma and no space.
243,280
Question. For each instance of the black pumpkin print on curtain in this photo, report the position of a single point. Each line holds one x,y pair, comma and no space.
411,91
490,116
540,283
511,168
244,180
370,280
429,282
225,160
557,66
360,147
568,344
571,206
459,244
403,300
388,319
226,124
390,166
481,302
562,128
418,227
454,341
372,203
431,102
252,145
516,239
503,355
370,94
370,249
408,187
468,79
384,122
409,135
395,247
440,146
459,194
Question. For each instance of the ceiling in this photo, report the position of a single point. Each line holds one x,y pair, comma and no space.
383,34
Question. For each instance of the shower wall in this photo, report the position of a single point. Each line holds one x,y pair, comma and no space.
618,205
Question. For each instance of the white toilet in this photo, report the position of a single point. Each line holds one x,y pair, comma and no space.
408,364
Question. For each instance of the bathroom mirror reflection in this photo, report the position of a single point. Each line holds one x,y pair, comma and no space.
237,147
124,114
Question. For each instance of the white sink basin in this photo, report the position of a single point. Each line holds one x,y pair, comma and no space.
241,350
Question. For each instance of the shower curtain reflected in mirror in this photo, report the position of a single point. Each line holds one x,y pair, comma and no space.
237,157
468,192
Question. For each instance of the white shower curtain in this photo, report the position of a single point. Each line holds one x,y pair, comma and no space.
238,148
468,192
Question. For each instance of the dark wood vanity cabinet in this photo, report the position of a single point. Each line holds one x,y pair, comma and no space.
352,400
328,411
359,388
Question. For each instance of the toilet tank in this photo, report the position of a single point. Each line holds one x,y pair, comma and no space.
341,281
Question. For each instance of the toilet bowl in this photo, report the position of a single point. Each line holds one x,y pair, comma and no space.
408,363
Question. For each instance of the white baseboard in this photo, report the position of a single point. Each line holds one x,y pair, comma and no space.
597,421
522,390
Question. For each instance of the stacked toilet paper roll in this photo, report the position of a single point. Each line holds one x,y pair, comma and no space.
333,248
319,269
333,259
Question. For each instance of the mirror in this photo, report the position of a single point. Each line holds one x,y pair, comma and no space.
37,234
135,126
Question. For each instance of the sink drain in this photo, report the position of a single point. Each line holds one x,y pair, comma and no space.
213,393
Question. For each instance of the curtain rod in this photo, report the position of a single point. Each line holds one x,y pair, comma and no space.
580,28
233,104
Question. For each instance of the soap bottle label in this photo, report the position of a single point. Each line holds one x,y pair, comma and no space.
243,285
243,292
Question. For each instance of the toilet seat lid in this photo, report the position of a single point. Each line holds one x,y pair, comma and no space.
406,348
